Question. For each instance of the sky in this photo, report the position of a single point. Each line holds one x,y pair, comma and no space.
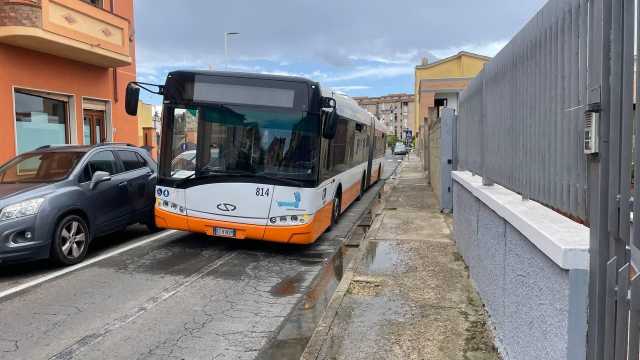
362,48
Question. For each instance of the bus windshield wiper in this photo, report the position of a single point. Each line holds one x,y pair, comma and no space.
209,172
184,179
283,179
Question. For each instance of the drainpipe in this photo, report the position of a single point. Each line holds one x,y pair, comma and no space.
115,70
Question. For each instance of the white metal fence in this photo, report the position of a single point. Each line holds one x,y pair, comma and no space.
521,119
522,124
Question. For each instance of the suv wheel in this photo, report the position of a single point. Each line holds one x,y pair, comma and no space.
71,241
151,226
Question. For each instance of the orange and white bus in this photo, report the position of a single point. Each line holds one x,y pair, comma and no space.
262,157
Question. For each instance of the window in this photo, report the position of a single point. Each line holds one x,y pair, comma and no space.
39,168
96,3
184,142
40,121
131,160
102,161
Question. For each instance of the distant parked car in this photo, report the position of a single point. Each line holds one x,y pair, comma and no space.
400,149
55,200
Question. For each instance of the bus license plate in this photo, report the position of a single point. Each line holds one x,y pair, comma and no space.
224,232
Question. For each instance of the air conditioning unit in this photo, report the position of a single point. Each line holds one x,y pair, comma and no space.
591,132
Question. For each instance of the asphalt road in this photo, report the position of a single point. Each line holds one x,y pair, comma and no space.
169,295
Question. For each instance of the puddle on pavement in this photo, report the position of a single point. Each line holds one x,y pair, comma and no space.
383,257
288,286
300,324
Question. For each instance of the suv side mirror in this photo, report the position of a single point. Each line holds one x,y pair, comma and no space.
131,99
99,177
330,124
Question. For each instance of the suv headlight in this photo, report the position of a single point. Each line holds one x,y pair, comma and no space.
21,209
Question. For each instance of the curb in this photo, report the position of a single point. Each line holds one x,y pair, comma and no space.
321,332
345,242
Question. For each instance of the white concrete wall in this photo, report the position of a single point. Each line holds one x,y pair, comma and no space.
529,265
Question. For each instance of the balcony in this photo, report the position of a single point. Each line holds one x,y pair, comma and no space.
71,29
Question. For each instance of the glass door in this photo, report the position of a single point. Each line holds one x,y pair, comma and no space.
95,131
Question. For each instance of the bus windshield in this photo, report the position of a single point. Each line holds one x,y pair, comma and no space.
211,140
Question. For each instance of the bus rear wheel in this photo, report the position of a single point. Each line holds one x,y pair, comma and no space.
363,188
335,211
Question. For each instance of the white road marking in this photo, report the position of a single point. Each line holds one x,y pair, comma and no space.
83,264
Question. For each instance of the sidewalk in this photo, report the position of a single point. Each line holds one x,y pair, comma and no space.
407,295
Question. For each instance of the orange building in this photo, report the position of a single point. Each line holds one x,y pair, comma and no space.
64,67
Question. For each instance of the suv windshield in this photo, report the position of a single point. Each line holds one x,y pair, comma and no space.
218,140
39,167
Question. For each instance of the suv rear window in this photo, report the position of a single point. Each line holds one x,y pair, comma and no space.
131,160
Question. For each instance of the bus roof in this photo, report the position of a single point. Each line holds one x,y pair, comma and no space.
244,75
346,106
380,125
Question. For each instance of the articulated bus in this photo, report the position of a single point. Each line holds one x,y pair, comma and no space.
262,157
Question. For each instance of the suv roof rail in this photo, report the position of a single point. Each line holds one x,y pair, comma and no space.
114,143
50,146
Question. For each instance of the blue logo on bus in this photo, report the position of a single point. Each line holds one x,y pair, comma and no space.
291,204
159,192
166,193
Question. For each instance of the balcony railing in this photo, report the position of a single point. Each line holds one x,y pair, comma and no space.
72,29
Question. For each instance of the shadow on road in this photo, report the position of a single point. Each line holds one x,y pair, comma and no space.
14,270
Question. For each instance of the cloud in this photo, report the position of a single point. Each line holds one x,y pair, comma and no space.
350,88
339,42
373,72
488,49
338,33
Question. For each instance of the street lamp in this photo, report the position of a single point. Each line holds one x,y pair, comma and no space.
226,46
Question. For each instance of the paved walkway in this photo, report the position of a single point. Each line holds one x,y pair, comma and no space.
408,295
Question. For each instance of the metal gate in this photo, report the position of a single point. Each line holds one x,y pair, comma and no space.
614,295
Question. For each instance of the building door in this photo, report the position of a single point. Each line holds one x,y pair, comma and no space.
95,131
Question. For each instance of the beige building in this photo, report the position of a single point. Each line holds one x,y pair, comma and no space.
396,111
439,84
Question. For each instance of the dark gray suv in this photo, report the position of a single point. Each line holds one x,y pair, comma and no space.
54,200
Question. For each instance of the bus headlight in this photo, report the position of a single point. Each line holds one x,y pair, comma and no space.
290,220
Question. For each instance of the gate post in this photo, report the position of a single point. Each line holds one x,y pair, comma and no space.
598,172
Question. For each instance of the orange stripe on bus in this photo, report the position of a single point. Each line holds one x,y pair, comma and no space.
350,195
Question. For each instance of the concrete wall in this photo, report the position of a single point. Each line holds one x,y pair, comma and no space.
537,308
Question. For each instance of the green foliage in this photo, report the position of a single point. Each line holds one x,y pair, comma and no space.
392,140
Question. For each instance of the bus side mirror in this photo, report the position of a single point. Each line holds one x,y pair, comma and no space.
330,125
131,99
331,118
328,102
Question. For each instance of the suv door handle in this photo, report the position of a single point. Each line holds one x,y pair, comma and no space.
123,184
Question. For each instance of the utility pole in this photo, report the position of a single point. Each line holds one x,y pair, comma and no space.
226,47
